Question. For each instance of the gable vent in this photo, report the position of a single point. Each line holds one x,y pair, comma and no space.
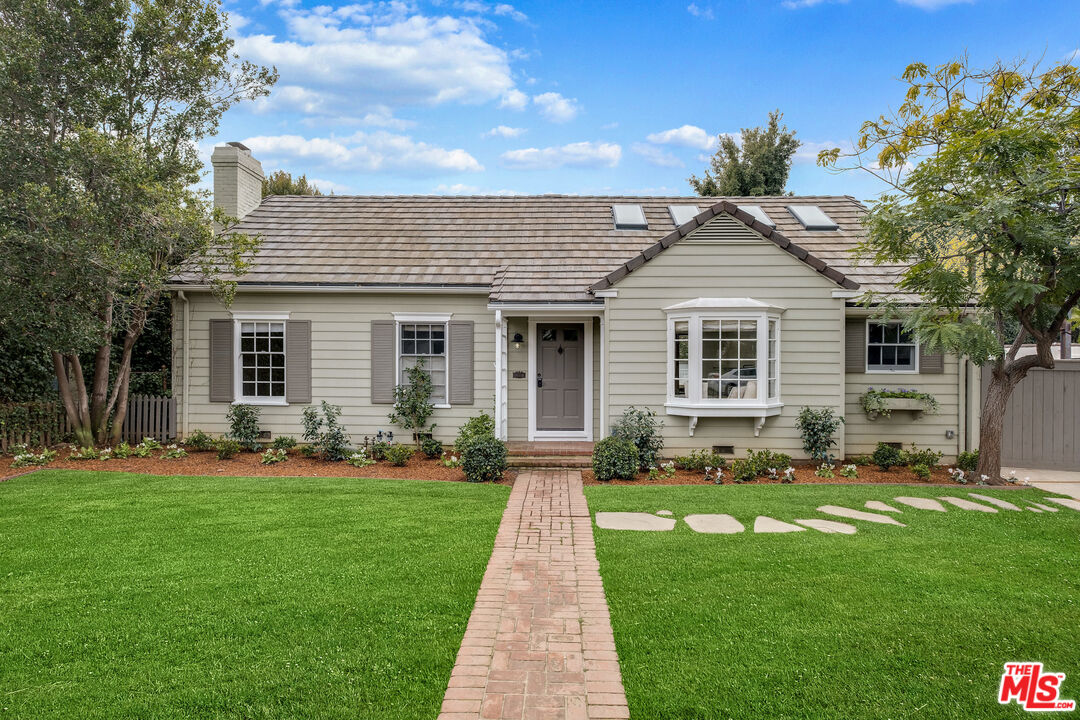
759,214
812,217
681,214
629,217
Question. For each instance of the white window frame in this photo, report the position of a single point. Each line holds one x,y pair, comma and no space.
914,370
240,317
423,319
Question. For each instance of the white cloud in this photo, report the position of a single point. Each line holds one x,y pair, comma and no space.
237,21
363,152
808,151
510,11
795,4
463,189
329,186
656,156
705,13
382,116
504,132
579,154
514,99
932,4
690,136
556,108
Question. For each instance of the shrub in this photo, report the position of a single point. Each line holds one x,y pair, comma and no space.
666,471
25,458
849,471
484,459
325,435
150,444
743,470
481,426
412,400
788,475
921,470
968,460
817,428
915,456
861,460
174,452
198,440
226,448
244,425
886,456
283,442
360,458
432,448
123,451
85,453
398,454
698,460
615,457
378,450
767,462
642,429
450,461
273,456
825,470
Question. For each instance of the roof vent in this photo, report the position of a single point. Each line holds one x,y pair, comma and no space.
682,214
629,217
812,217
759,214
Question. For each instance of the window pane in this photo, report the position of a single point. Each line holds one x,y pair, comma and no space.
905,336
408,332
710,349
247,344
438,347
748,349
747,328
904,355
772,329
249,389
874,355
570,335
548,336
408,347
772,387
888,355
277,344
730,330
423,347
729,349
876,333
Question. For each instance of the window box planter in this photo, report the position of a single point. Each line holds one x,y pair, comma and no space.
913,405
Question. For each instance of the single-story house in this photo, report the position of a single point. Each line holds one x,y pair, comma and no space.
554,313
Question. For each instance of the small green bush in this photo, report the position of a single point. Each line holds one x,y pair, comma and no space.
273,456
123,451
481,426
886,456
615,457
174,452
915,456
968,460
765,460
198,440
226,448
432,448
825,470
861,460
399,454
25,458
244,425
698,460
86,453
921,470
817,428
641,427
325,435
849,471
743,470
378,450
360,458
484,459
283,442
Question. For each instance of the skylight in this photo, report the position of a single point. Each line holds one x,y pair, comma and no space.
812,217
681,214
759,214
629,217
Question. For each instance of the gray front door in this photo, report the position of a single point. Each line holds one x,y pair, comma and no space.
560,382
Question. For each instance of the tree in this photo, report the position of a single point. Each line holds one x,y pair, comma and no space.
983,168
101,109
282,183
757,165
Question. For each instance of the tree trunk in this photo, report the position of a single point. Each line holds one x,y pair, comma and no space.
119,399
993,422
83,436
99,389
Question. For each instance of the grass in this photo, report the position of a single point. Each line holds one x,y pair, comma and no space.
889,623
125,596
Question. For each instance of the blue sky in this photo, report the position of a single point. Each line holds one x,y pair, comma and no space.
592,98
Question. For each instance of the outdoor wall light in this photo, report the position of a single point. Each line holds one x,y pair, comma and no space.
518,341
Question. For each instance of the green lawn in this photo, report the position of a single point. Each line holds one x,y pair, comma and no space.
129,596
892,622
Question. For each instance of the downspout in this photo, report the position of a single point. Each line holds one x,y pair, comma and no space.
186,364
965,400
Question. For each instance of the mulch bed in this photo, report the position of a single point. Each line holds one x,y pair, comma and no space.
804,475
247,464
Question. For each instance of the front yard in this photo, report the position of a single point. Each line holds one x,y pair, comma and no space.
222,597
890,622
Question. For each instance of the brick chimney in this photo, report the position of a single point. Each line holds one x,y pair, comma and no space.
238,179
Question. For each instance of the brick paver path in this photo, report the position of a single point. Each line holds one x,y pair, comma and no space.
539,645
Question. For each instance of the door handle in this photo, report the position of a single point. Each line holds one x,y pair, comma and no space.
539,380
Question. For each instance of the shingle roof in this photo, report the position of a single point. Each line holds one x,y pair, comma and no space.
547,248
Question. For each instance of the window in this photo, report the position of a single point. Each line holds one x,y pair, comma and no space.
728,359
682,358
890,348
427,342
262,360
774,362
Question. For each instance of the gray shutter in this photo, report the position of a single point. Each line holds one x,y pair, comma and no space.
222,361
931,363
298,361
855,345
383,360
460,391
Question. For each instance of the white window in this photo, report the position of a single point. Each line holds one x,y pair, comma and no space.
724,354
260,359
424,337
890,348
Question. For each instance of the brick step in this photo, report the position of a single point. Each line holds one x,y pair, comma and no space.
545,461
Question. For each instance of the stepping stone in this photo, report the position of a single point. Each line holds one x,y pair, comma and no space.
1034,509
1067,502
829,526
714,524
664,512
880,506
1044,508
995,501
858,515
768,525
967,504
633,521
921,503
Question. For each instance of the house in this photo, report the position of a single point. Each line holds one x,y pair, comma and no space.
724,315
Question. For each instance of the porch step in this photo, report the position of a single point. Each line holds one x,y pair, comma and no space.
549,461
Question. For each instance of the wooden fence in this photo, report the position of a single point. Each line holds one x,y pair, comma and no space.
46,423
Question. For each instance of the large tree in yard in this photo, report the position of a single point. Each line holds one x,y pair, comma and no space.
102,105
984,175
757,164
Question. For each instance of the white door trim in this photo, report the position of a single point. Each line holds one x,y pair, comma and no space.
587,433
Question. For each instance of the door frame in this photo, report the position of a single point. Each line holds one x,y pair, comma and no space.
587,328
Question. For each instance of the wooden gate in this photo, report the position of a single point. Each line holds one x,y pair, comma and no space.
149,416
1042,422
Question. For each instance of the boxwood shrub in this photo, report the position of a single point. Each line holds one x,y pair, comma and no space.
484,459
613,458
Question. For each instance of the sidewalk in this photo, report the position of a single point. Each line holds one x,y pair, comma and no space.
1063,482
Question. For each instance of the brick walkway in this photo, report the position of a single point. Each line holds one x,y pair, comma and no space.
539,645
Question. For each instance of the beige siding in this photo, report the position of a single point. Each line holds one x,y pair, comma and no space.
725,259
340,338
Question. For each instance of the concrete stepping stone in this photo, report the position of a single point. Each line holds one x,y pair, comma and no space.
967,504
829,526
1034,509
920,503
995,501
1044,508
765,524
714,524
859,515
633,521
880,506
667,513
1067,502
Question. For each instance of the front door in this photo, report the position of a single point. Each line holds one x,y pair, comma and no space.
560,381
